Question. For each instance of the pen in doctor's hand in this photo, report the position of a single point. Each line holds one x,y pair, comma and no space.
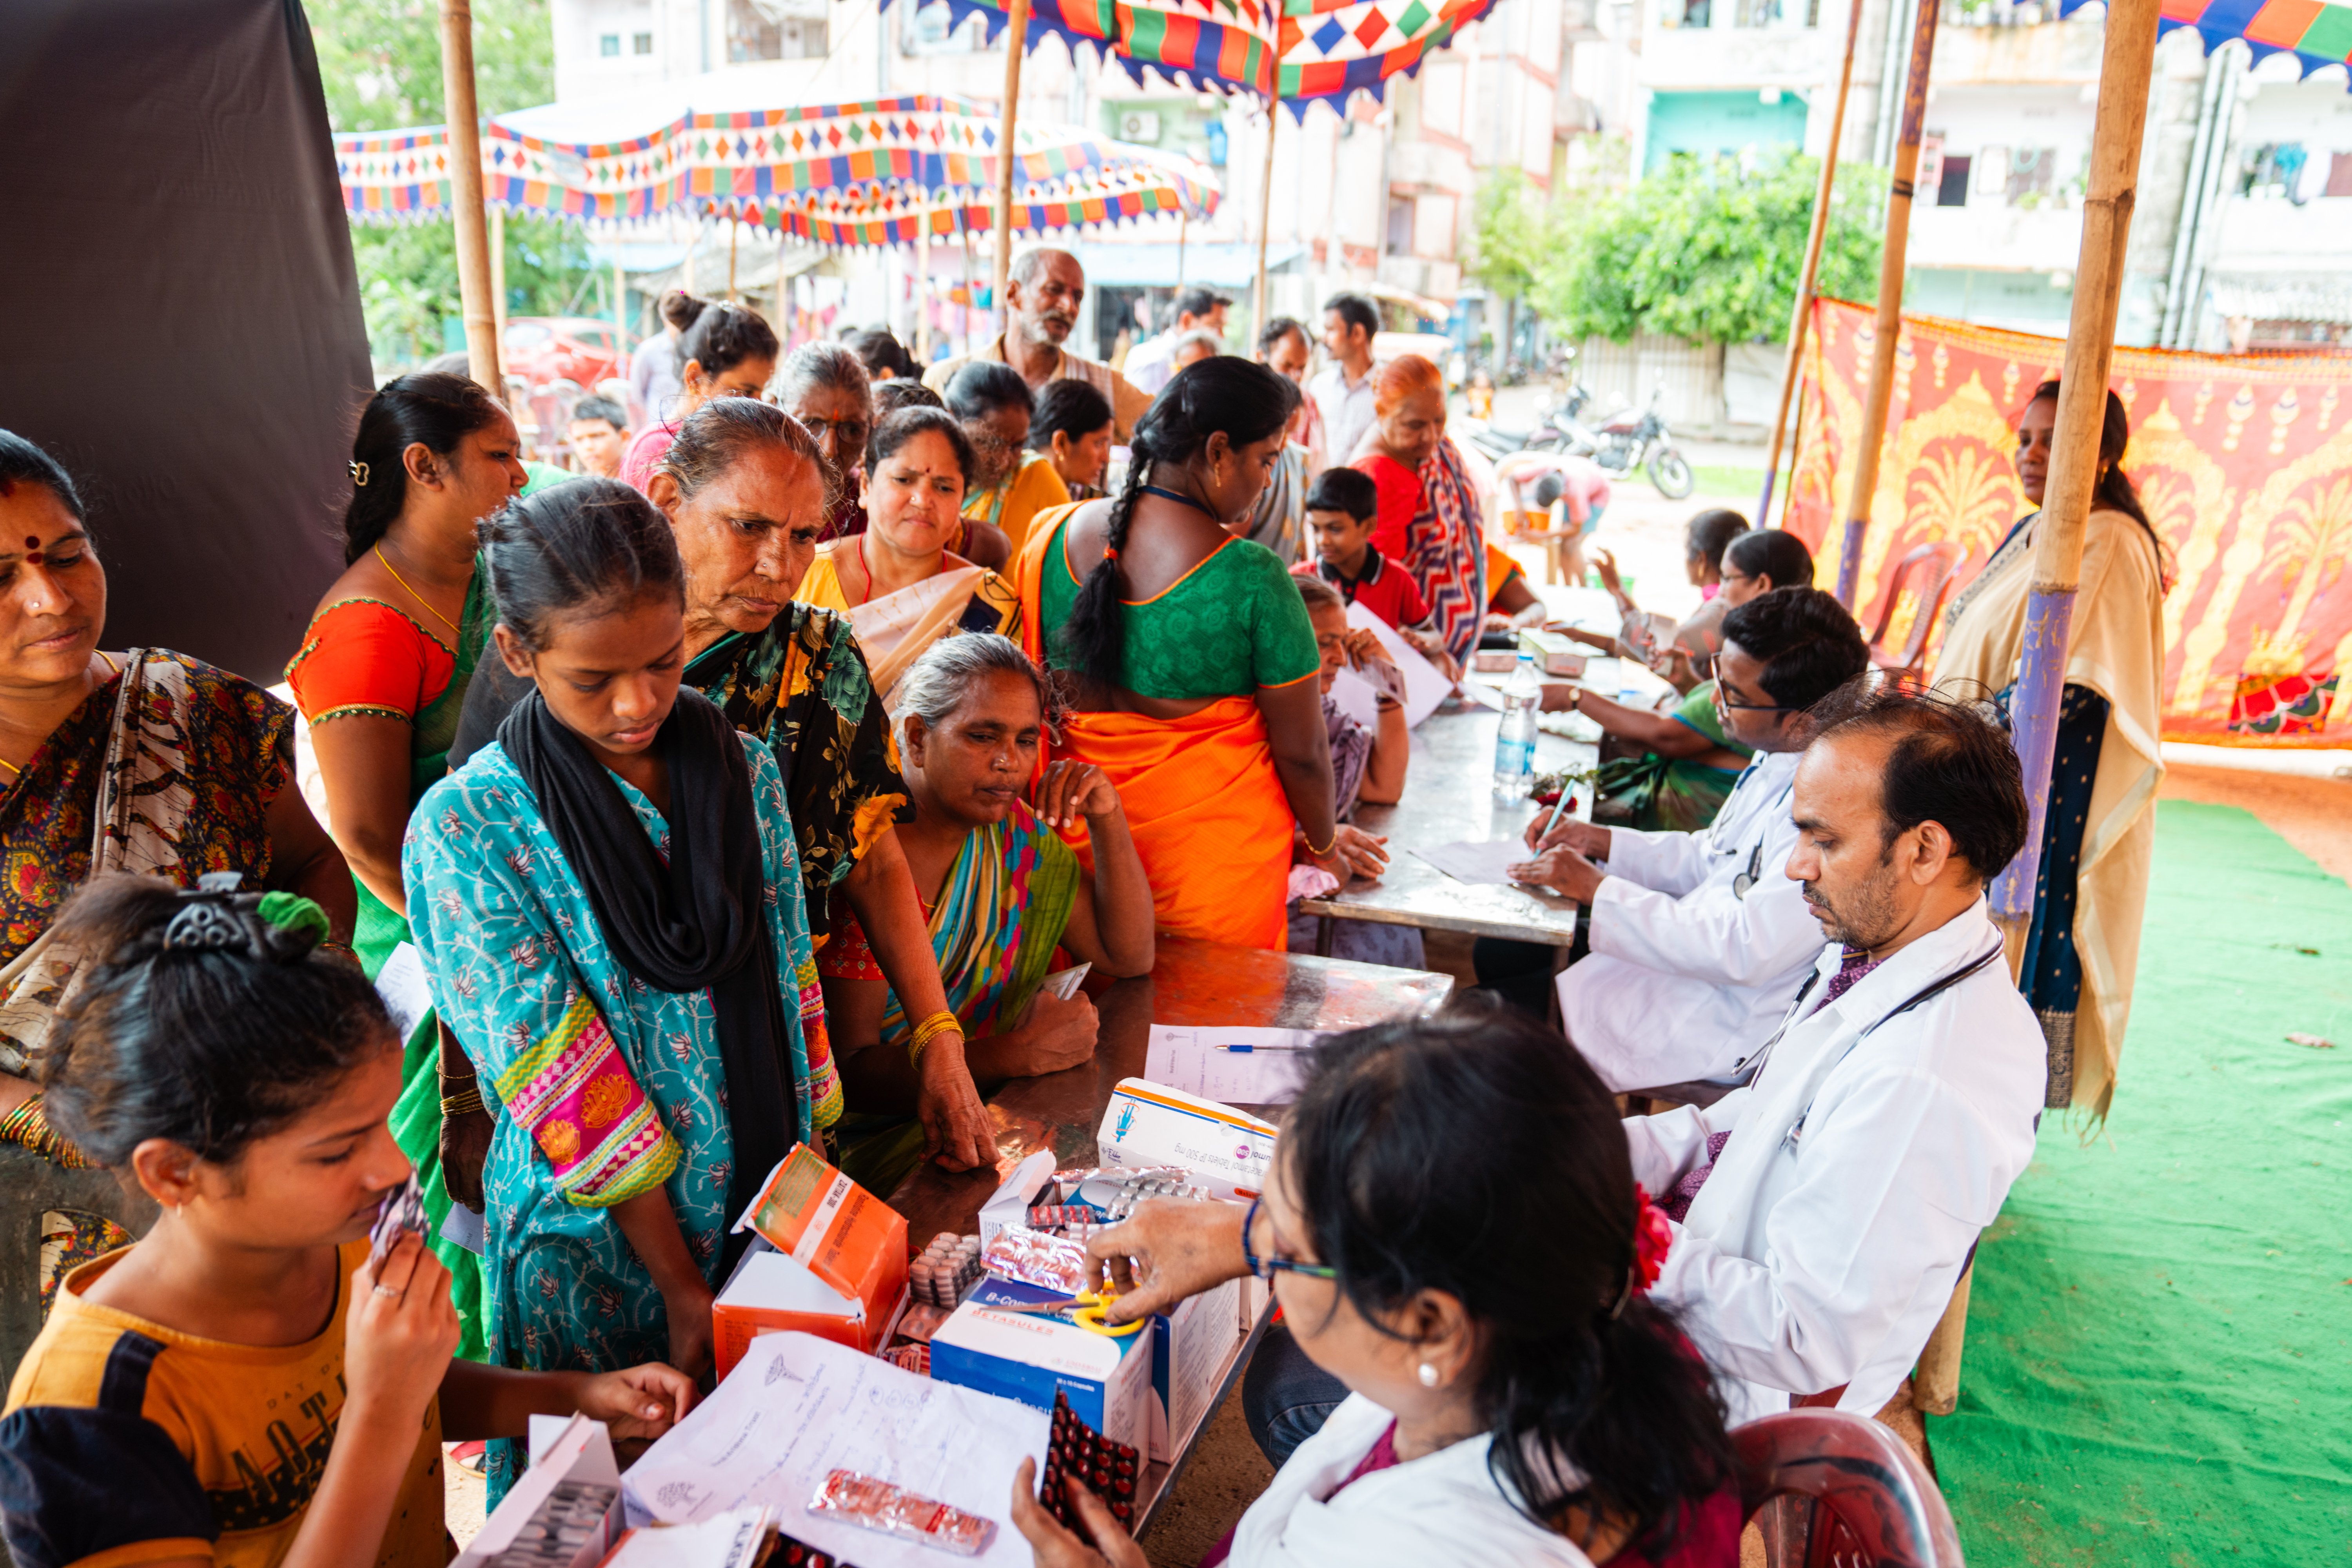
1246,1050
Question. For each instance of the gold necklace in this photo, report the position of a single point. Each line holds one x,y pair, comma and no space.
17,772
417,596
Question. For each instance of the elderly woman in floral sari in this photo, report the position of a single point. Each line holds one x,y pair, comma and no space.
1430,508
1005,896
608,903
142,761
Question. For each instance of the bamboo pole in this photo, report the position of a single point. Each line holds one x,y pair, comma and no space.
621,314
2075,451
1017,42
1264,222
1801,316
1890,303
465,193
499,281
734,230
1179,247
923,279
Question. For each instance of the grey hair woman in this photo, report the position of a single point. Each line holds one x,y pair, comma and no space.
826,387
1004,889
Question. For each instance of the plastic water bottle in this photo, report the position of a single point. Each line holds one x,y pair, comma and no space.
1515,741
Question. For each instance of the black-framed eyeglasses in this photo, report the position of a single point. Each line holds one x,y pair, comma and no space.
1264,1268
1723,700
854,431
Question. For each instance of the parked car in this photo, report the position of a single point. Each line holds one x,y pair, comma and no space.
1411,324
578,349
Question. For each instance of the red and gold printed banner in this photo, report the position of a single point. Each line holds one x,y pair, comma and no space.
2244,462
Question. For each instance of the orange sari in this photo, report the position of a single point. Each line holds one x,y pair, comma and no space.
1210,822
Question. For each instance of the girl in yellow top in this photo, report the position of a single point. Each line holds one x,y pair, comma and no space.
243,1386
1009,485
901,585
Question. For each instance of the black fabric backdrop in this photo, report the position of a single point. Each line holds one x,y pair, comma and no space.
179,318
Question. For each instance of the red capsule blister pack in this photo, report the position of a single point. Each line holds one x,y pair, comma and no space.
1079,1452
887,1510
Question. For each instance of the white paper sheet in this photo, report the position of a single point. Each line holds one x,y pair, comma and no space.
1195,1060
797,1406
1483,864
401,984
1063,984
1424,686
1353,695
1480,690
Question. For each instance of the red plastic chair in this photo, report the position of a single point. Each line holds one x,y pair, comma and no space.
1932,566
1843,1492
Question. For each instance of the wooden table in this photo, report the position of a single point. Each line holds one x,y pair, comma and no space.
1193,983
1449,796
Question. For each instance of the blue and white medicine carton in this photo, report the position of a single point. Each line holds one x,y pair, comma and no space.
1148,1124
1030,1357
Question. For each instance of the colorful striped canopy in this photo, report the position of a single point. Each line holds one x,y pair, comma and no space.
834,174
1295,51
2317,32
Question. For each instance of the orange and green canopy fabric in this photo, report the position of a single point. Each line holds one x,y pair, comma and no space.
2317,32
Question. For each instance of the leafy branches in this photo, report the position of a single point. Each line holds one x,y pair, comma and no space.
1708,251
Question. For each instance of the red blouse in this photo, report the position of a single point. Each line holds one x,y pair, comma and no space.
362,656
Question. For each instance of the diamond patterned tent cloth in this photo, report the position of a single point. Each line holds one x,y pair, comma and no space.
843,174
2317,32
1297,51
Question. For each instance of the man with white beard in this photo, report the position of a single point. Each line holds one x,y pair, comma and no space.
1041,307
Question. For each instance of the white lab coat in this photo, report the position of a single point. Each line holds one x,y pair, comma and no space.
1437,1511
1861,1166
1686,977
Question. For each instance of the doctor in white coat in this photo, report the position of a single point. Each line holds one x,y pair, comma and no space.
1838,1196
1698,942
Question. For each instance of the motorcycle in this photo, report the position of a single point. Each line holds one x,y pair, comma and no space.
1630,440
1555,429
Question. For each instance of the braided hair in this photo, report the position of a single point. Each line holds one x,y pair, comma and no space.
1226,394
208,1019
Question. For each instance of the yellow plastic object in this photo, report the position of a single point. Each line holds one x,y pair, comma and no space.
1087,1313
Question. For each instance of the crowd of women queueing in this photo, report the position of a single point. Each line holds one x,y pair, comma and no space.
746,797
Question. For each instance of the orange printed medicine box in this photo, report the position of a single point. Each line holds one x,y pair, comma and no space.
835,1262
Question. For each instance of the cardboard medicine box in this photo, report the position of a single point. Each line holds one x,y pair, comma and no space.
1030,1357
829,1258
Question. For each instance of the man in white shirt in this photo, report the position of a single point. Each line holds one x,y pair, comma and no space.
1833,1202
1151,364
1698,942
1342,390
1041,307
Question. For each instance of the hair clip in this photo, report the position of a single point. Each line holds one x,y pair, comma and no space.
204,924
359,474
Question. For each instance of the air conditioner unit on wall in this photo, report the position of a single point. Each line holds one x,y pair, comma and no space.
1139,125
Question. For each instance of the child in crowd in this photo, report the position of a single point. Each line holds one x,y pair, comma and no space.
598,435
245,1384
1342,509
1368,765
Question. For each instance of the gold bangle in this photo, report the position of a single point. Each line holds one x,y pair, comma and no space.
930,1029
1318,854
463,1104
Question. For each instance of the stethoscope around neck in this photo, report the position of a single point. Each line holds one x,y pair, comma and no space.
1748,879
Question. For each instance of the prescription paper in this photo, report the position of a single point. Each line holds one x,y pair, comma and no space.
796,1408
1192,1058
1424,684
1480,864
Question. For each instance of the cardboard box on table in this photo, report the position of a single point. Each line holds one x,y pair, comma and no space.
1030,1357
828,1258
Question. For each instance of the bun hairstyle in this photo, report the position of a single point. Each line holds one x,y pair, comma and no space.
22,463
723,336
1710,533
1474,1152
1771,552
1238,398
680,308
208,1019
429,407
582,547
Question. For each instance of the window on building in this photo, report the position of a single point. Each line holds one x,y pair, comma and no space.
775,31
1399,234
2279,170
1694,13
641,43
1757,14
609,46
1952,189
2029,172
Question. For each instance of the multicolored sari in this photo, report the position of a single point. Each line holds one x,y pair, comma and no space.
1674,794
1211,825
898,629
602,1087
1431,520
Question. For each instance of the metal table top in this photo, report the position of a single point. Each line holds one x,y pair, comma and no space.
1193,983
1449,797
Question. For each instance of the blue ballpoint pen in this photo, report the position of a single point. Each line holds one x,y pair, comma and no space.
1245,1050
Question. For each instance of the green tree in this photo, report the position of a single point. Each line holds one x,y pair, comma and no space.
380,62
1508,230
1707,251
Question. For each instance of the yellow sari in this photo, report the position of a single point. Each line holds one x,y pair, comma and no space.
895,630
